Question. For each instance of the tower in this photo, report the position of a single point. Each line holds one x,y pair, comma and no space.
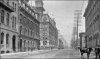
39,3
39,6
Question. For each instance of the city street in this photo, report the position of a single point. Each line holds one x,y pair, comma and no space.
49,29
59,54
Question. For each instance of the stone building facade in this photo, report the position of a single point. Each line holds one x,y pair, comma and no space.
29,28
48,32
8,26
19,26
92,19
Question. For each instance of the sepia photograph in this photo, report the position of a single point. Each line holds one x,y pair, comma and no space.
49,29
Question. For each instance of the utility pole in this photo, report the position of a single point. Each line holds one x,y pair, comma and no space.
77,18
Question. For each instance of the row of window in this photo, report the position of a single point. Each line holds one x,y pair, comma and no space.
32,24
95,36
31,27
27,32
2,38
26,43
7,40
93,25
3,15
7,16
27,7
14,6
93,10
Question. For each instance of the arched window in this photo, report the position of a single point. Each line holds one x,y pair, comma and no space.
2,16
2,38
7,19
7,38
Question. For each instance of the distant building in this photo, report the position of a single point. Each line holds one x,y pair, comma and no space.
60,44
48,32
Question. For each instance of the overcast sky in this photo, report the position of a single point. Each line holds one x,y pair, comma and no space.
63,12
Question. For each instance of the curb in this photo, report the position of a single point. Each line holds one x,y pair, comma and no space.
21,54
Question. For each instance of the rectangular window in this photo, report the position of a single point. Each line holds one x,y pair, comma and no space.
7,19
20,29
13,22
28,32
31,33
2,16
7,38
15,7
13,4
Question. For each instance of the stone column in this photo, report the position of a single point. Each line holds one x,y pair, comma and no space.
4,43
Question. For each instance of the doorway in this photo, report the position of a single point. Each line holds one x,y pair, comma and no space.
14,43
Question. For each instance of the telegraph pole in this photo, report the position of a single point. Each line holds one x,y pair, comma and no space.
77,17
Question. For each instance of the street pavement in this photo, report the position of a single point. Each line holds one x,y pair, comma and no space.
49,54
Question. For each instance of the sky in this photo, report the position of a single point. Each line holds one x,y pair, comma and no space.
63,12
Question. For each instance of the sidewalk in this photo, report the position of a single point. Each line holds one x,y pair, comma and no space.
19,54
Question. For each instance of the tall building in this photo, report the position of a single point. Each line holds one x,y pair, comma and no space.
48,32
19,26
28,28
8,26
92,19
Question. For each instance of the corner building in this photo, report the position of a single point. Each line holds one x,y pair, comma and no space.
8,26
48,33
